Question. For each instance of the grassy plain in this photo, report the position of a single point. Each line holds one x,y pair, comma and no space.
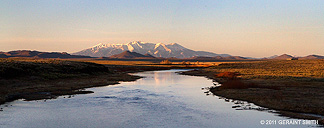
153,63
290,86
284,69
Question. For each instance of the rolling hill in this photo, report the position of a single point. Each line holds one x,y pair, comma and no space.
283,57
311,57
37,54
132,55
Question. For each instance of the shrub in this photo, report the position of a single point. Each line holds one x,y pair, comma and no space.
165,62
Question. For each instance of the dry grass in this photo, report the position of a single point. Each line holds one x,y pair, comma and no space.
153,63
115,62
284,69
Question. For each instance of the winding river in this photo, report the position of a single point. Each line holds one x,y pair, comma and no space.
161,99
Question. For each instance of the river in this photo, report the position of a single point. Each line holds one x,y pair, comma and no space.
161,99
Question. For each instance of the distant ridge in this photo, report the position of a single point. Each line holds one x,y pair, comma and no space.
235,58
312,57
270,57
156,50
283,57
37,54
135,55
132,55
289,57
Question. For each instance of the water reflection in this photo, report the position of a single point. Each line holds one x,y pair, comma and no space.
162,78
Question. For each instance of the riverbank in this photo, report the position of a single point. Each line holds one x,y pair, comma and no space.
291,86
35,79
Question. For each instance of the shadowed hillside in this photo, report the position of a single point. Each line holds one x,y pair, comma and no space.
283,57
311,57
47,69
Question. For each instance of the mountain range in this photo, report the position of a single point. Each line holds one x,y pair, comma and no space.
156,50
134,55
142,50
37,54
311,57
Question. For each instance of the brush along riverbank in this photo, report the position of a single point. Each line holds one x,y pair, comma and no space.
290,86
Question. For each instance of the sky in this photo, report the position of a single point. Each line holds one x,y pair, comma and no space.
238,27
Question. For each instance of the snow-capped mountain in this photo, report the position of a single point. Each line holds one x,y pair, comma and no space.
157,50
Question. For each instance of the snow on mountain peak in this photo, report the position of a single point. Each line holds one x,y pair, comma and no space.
161,46
136,42
97,47
157,45
130,47
157,50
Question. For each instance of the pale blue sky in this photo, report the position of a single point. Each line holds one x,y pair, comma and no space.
236,27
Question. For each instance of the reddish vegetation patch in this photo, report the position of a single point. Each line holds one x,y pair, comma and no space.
230,75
